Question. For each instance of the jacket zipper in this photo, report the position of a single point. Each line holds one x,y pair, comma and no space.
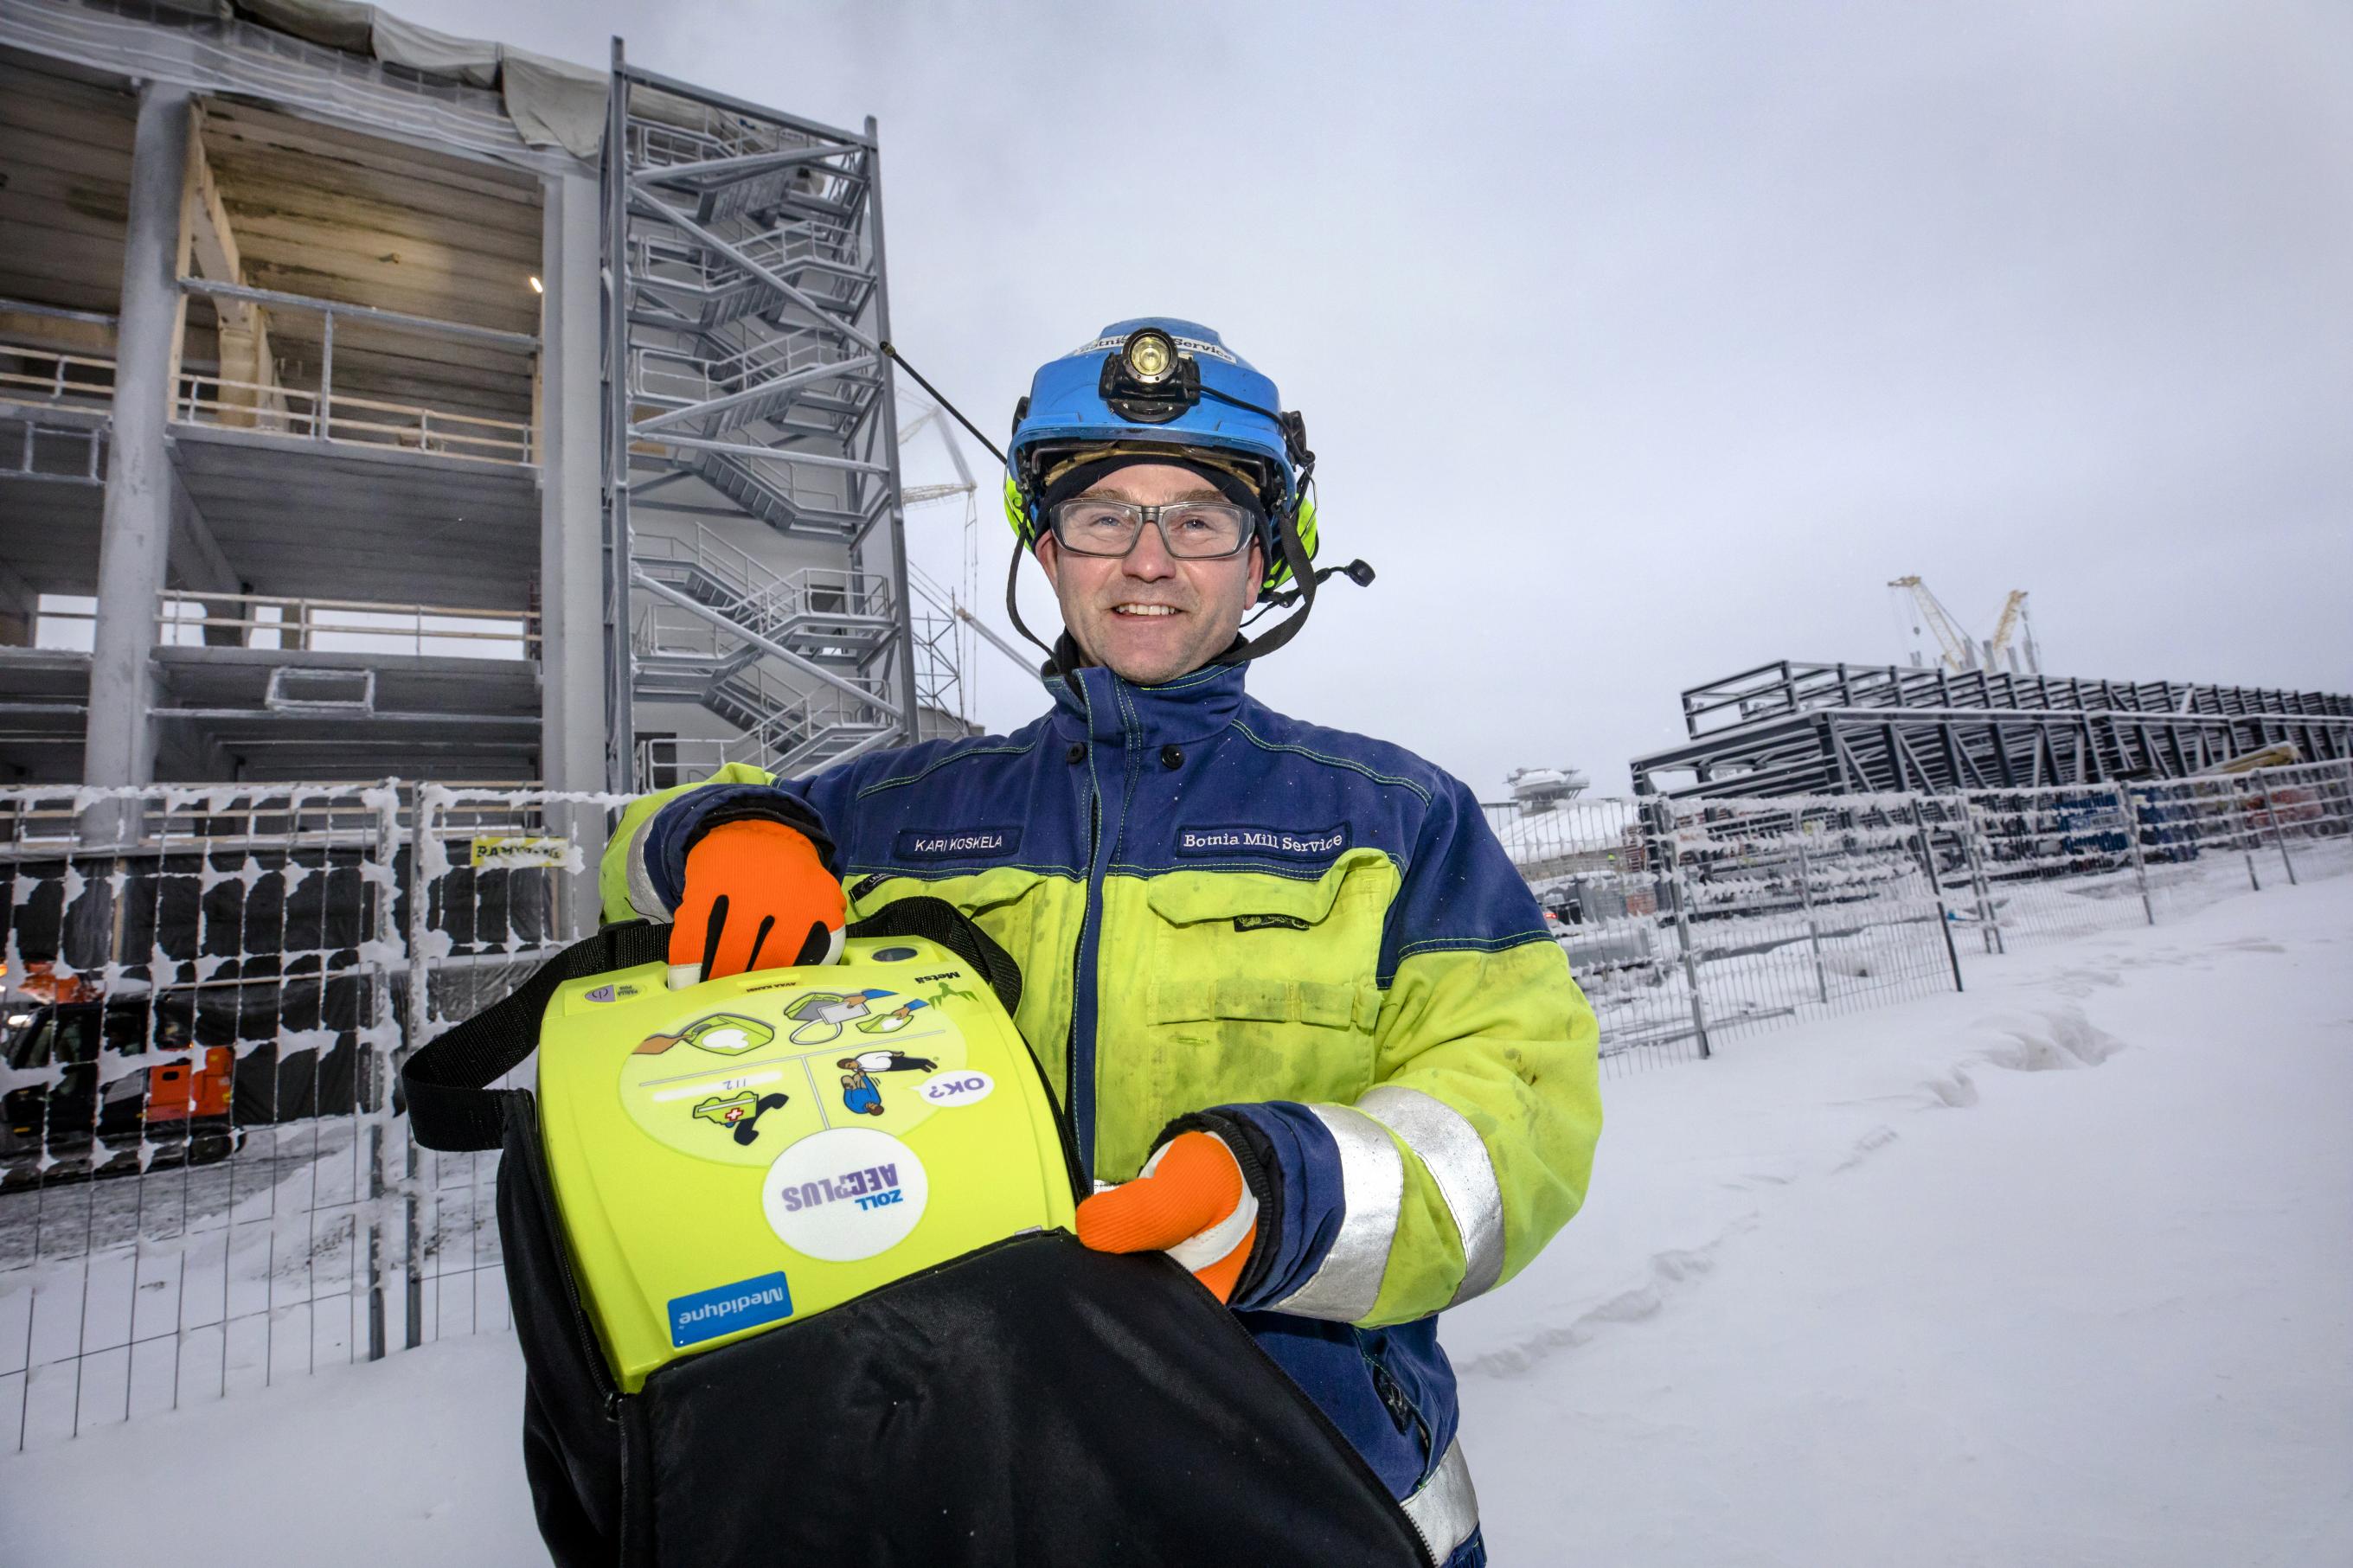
1084,1132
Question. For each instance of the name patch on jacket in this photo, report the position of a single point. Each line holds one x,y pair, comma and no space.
961,844
1286,843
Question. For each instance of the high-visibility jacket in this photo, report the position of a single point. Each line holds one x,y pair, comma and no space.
1312,936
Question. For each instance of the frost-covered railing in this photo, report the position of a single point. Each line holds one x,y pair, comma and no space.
207,1182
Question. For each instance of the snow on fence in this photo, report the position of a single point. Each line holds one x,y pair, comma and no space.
199,1009
501,880
1690,922
207,1182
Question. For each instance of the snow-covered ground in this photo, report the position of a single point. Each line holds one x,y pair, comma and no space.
2056,1272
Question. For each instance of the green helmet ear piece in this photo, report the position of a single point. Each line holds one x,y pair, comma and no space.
1278,571
1017,511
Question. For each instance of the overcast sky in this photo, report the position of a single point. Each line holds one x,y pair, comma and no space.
1642,344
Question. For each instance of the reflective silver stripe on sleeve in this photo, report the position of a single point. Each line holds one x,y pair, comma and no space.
1372,1185
1457,1160
642,896
1445,1509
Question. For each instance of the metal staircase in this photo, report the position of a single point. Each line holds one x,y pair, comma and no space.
795,381
709,290
754,632
744,378
772,503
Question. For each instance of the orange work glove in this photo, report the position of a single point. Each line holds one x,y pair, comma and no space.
1190,1202
757,896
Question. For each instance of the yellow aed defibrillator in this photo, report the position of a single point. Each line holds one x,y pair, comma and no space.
729,1156
752,1150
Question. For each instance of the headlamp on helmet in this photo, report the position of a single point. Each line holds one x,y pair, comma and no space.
1150,380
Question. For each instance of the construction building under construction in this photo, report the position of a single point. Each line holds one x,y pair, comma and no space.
1789,729
326,454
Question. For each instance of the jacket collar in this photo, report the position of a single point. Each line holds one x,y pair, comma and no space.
1092,703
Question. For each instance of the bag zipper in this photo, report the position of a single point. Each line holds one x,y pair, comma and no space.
584,1333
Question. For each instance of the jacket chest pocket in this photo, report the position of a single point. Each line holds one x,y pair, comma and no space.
1260,986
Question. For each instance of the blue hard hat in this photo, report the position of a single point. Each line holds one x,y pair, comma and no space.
1158,381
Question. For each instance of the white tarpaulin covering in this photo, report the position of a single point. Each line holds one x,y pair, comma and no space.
551,103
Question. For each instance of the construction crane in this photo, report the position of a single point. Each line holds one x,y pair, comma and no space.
1959,652
2013,624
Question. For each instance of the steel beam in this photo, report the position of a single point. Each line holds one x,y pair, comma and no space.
759,454
620,684
135,537
669,84
572,591
910,710
730,169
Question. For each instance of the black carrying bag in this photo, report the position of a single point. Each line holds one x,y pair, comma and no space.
1030,1402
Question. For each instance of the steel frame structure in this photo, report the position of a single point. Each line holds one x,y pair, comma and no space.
744,379
1789,728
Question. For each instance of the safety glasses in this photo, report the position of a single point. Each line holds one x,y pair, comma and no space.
1191,530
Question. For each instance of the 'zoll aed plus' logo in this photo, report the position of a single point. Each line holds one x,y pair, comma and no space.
845,1193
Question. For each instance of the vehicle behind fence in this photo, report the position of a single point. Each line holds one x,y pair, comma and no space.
207,1182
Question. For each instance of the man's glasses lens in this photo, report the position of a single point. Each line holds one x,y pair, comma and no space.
1190,528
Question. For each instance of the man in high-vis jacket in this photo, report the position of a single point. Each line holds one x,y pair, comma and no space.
1293,997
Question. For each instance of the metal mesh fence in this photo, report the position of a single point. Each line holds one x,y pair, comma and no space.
1805,907
1692,922
206,1182
502,882
198,1011
1688,922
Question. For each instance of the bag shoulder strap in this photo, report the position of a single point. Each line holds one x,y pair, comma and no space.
446,1083
450,1106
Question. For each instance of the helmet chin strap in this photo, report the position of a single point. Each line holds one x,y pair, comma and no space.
1013,610
1302,572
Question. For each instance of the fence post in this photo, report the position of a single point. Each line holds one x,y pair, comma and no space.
420,1003
2242,812
1662,832
1813,930
1995,941
1928,864
2279,834
2132,836
383,1043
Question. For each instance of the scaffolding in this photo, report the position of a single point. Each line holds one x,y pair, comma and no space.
431,434
1789,728
747,399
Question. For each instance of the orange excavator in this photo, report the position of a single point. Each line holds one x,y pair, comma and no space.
58,1105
